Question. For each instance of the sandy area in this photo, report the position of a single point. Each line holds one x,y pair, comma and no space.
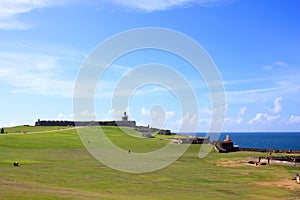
233,163
284,183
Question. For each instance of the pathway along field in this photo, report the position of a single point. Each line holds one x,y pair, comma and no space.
55,165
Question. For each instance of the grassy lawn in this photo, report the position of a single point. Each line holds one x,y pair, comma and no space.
29,129
55,165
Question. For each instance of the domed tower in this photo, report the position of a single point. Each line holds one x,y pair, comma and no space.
227,139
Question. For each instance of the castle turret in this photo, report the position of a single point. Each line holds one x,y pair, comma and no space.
227,139
125,117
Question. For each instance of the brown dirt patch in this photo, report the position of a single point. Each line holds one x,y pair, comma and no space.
232,163
283,183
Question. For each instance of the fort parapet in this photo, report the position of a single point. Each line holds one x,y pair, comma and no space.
85,123
124,122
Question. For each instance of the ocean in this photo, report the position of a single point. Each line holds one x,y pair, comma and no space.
264,140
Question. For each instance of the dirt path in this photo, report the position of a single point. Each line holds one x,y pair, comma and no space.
233,163
49,131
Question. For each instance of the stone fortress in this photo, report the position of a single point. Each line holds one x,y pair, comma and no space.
123,122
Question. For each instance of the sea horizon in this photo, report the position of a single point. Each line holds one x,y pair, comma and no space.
278,141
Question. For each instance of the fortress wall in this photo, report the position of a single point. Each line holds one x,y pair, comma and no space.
85,123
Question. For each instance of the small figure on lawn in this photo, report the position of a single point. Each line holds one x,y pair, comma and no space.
297,178
270,153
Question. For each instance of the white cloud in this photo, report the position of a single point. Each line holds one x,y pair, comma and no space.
145,112
249,96
32,70
151,5
255,91
117,114
232,121
10,11
188,123
170,114
238,119
294,119
280,63
277,106
88,114
158,116
154,5
278,83
242,111
10,124
268,67
229,120
240,115
258,118
13,24
62,116
205,111
205,121
9,8
262,118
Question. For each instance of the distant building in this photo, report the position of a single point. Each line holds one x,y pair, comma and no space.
164,132
225,146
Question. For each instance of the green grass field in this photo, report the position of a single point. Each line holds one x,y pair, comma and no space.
55,165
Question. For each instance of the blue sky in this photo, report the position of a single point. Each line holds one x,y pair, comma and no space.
255,45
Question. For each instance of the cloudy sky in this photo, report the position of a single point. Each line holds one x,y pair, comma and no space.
254,44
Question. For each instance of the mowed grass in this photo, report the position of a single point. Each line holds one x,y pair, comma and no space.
55,165
30,129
